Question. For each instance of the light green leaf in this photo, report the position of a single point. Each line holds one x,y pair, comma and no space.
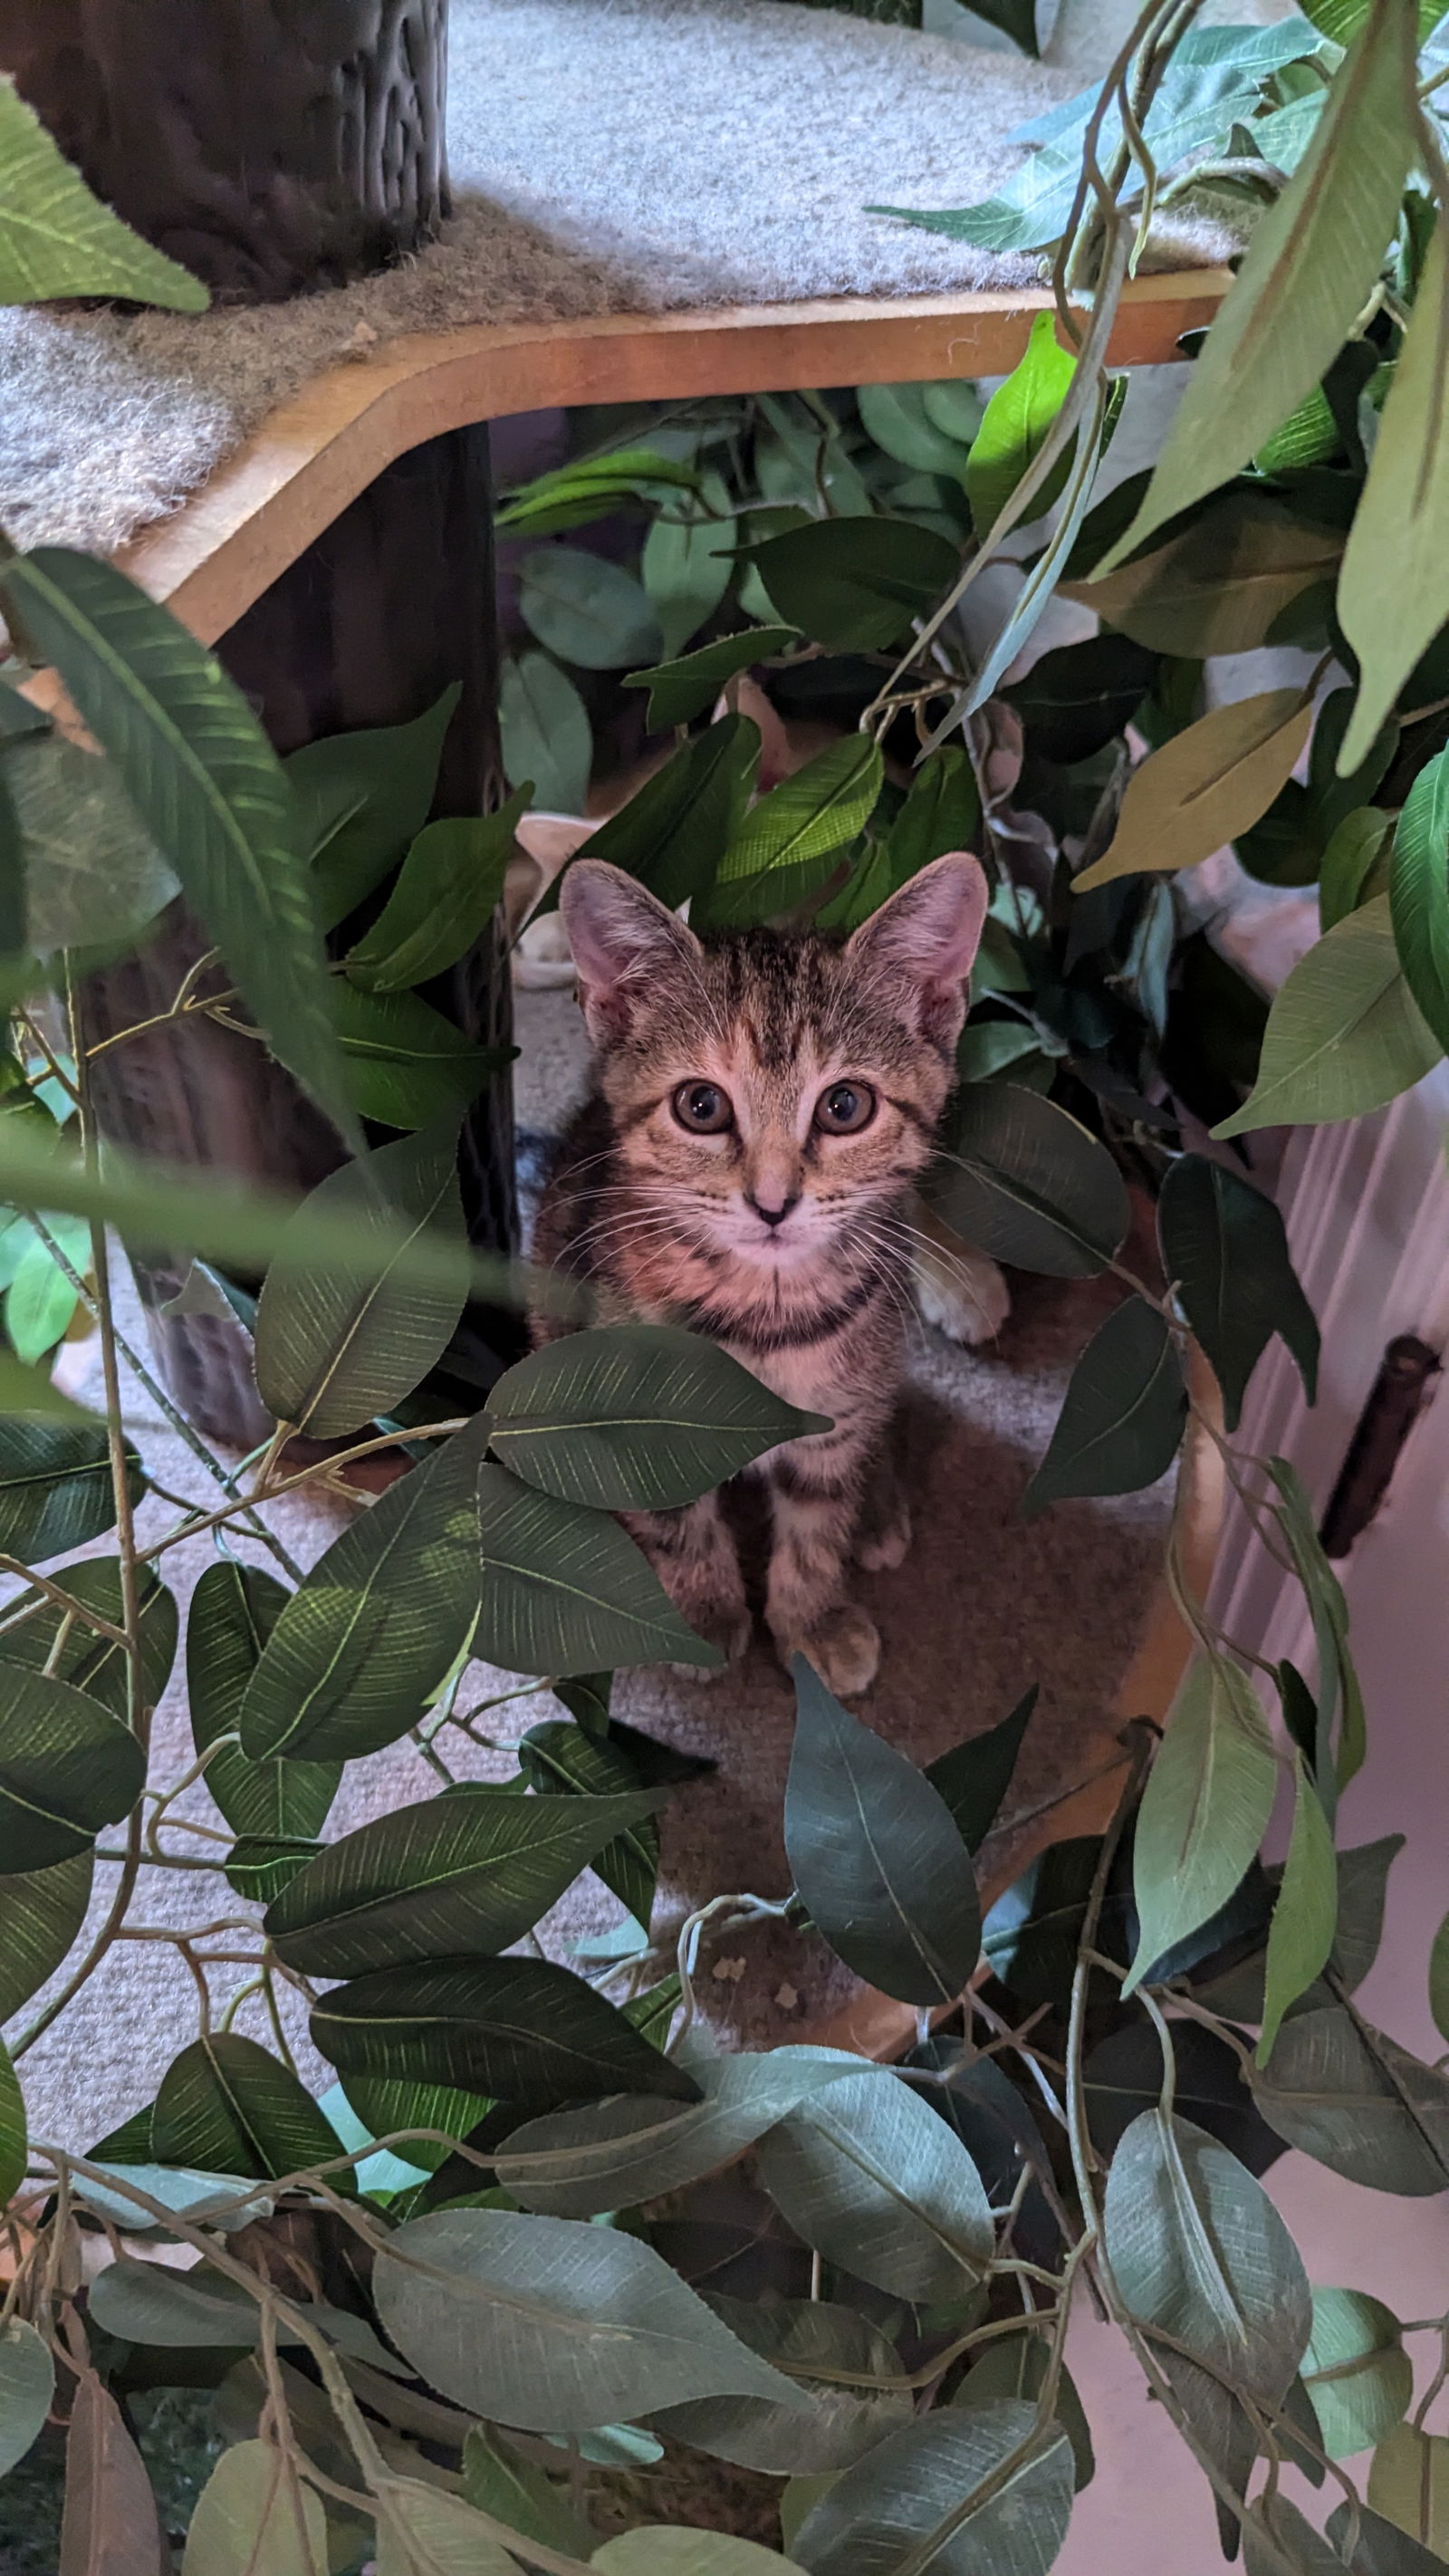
1198,2249
39,1305
1224,1245
686,564
67,1767
233,1612
1205,1809
808,815
467,1873
1300,1937
93,877
616,2155
832,2355
336,1347
591,488
913,2500
27,2385
1220,585
553,2326
1205,786
56,239
227,2105
854,584
206,784
1031,1186
587,611
443,902
1124,1415
224,2201
380,2106
1310,267
679,691
1357,2102
545,731
421,2531
897,417
27,1391
404,1064
256,2517
662,2551
1419,893
361,798
55,1486
566,1591
41,1913
519,2030
1344,1034
878,2183
1356,2371
876,1854
636,1416
1354,867
1409,2485
110,2525
1015,426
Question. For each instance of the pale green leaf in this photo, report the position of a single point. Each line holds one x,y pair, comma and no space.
844,2366
587,611
56,239
1220,584
39,1305
546,734
1390,601
1205,786
256,2517
878,2183
899,421
1198,2250
1356,2371
663,2551
686,564
1206,1806
422,2531
1409,2485
1300,1937
1344,1034
93,877
1354,867
964,2491
27,2384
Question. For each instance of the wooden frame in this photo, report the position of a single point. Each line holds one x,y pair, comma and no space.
320,449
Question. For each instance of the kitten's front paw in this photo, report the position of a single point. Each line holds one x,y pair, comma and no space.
843,1646
962,1292
726,1624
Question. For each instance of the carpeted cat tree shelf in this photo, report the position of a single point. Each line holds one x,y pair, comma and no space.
650,199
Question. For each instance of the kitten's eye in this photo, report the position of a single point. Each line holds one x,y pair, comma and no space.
845,1108
703,1108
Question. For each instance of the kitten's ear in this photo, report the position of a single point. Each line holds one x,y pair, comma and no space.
923,942
623,942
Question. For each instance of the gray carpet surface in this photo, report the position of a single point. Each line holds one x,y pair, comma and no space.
608,156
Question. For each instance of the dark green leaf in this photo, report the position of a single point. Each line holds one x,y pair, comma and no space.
56,239
469,1872
590,488
673,834
360,799
1220,584
563,1760
97,1665
811,2340
912,2500
1381,2549
382,2106
498,2482
1033,1929
1122,2077
233,1612
14,2138
1224,1246
336,1347
55,1486
1029,1185
638,1416
67,1767
93,877
1198,2249
443,902
545,730
205,782
679,691
1339,1694
974,1777
228,2106
1015,2367
1124,1414
1205,1808
1357,2103
1078,699
565,1590
587,611
852,584
867,2174
406,1065
41,1912
1419,893
876,1854
519,2030
1300,1939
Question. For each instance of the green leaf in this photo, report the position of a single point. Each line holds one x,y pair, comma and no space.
443,902
1381,2548
1357,2102
467,1873
616,2155
361,798
1354,867
256,2517
377,1623
777,853
591,488
566,1591
1337,1679
1419,893
1079,698
381,2106
1439,1979
662,2550
14,2136
1220,584
39,1305
553,2326
1031,1186
673,834
1300,1939
27,2385
1015,427
870,2176
831,2354
973,1777
226,2201
56,239
423,2532
896,418
1409,2485
1205,786
1344,1034
93,877
497,2481
405,1065
29,1391
587,611
635,1416
940,2494
1224,1245
335,1346
686,564
876,1854
1016,2367
1205,1809
110,2525
41,1913
228,2106
93,1664
66,1768
1124,1415
1389,605
852,584
55,1486
518,2030
1311,265
206,784
1198,2250
1357,2374
545,731
233,1612
565,1761
681,690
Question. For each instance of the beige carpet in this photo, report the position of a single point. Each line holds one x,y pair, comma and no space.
981,1608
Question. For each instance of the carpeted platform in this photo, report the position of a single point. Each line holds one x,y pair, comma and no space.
608,156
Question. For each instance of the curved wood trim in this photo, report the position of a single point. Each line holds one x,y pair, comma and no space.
318,451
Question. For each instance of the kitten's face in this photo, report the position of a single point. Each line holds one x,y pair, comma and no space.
775,1095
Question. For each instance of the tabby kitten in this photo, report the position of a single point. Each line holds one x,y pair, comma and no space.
762,1107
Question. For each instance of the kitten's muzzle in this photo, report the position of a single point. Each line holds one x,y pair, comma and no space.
772,1214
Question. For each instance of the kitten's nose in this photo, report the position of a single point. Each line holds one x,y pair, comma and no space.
773,1212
